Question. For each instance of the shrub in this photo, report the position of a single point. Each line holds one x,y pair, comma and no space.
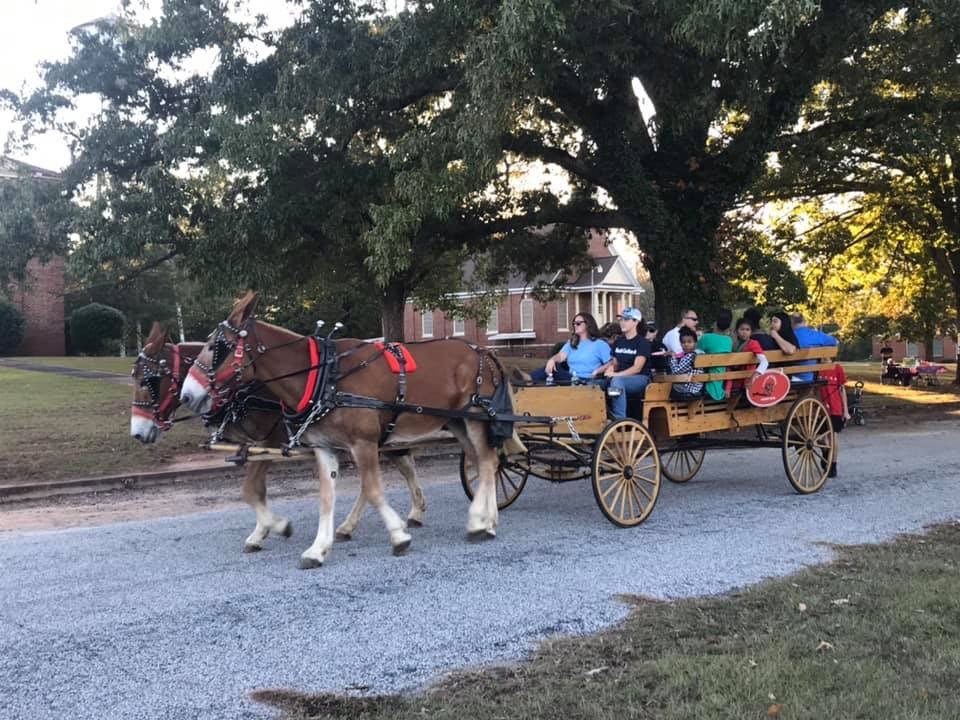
95,329
12,328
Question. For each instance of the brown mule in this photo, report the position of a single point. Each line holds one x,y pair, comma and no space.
449,375
158,373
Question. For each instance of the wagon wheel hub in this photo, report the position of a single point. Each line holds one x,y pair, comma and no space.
628,472
809,444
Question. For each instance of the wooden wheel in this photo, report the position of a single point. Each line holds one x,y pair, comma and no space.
626,473
681,465
808,445
509,480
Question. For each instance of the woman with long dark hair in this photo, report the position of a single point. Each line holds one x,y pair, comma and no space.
585,353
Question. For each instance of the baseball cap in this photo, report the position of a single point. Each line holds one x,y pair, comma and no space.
631,313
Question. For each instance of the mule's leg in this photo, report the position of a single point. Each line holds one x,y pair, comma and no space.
327,468
418,504
255,493
366,455
483,515
347,527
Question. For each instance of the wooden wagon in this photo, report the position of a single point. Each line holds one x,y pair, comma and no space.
625,459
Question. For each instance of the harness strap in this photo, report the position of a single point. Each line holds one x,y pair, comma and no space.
312,375
401,358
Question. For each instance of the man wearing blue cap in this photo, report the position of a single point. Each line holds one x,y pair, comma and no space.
629,370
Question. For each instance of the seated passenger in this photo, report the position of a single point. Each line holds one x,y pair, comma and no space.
659,362
781,335
808,337
671,339
682,364
747,344
718,341
629,369
781,330
585,353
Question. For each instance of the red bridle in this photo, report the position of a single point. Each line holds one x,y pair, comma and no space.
217,378
160,409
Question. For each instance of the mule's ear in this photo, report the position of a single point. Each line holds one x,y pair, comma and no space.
245,308
156,339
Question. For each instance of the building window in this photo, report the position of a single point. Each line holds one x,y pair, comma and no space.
563,314
426,323
526,315
459,327
493,322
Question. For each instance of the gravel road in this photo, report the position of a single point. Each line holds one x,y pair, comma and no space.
166,619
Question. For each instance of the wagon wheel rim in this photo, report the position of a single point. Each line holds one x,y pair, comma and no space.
626,473
509,480
808,445
681,465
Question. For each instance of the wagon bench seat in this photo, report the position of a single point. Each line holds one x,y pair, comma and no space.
671,418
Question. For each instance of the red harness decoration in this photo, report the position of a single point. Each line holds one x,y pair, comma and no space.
162,410
389,350
312,375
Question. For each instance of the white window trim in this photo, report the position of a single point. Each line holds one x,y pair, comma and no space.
526,303
423,323
459,326
563,321
493,322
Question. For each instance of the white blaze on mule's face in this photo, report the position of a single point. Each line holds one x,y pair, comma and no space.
144,430
194,396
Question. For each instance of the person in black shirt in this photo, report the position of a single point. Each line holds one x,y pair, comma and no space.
659,362
629,369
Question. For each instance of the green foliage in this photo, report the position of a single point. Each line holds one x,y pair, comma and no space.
13,327
33,219
362,149
96,329
883,131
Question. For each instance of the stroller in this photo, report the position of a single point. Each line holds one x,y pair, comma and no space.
854,402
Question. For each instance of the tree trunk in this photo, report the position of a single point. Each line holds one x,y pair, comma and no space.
391,318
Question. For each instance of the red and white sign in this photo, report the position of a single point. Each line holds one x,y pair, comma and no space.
769,388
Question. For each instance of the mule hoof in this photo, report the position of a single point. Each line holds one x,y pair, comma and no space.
476,536
309,563
342,535
251,548
414,523
401,548
287,530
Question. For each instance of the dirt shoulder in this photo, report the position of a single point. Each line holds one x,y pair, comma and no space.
289,482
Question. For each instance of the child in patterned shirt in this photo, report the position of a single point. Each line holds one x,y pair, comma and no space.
682,364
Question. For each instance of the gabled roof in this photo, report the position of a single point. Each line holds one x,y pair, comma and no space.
11,169
610,273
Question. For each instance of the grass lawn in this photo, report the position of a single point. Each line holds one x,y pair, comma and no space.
875,634
54,426
118,365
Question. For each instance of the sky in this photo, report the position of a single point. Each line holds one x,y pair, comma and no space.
32,31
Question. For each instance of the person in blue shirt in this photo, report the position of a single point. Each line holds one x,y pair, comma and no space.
807,337
585,353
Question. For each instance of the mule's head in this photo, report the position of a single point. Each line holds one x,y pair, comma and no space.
157,373
224,362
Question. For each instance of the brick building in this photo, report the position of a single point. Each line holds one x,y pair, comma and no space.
521,324
40,297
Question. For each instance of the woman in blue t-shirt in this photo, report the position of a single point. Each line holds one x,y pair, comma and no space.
585,353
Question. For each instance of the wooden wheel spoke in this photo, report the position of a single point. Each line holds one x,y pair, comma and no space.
601,462
637,460
643,490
